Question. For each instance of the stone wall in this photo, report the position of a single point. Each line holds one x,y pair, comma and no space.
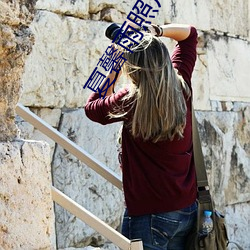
26,207
15,43
69,40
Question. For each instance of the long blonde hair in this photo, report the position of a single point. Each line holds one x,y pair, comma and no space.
160,106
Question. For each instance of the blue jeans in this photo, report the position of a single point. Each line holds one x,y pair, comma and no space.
161,231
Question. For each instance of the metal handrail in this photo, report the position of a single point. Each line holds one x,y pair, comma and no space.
97,224
66,202
70,146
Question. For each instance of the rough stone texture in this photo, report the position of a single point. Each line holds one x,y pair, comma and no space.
210,15
109,10
123,7
225,139
235,11
226,144
77,8
27,131
74,49
15,43
69,42
220,73
26,207
237,217
226,64
62,60
82,184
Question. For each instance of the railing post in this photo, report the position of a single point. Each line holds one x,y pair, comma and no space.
136,245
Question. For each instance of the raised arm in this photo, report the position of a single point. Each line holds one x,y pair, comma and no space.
178,32
184,54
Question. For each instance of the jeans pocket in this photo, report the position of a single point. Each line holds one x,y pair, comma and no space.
163,229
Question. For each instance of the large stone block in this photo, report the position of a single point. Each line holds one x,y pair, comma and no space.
15,43
226,148
238,221
190,11
125,7
96,6
223,15
17,12
225,140
109,10
26,206
77,8
82,184
228,72
220,74
62,60
230,16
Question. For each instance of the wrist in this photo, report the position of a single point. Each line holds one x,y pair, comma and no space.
158,30
161,31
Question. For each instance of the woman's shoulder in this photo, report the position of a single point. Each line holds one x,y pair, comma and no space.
192,38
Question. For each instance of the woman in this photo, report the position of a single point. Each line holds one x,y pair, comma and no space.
157,150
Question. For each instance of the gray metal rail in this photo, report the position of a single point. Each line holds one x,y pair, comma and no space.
70,146
67,203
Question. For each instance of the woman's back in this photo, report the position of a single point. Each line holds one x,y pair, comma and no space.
158,167
157,176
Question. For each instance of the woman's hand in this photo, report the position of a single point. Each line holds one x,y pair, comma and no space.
153,29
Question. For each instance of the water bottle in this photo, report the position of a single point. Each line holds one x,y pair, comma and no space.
207,223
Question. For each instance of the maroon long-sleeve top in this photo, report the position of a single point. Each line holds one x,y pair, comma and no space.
157,177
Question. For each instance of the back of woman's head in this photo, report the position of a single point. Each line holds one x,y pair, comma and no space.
160,107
